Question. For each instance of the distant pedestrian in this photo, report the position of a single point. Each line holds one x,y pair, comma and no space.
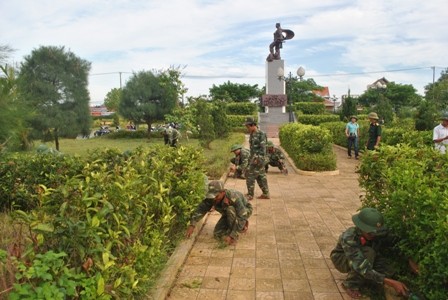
257,160
234,208
352,134
374,139
173,136
440,134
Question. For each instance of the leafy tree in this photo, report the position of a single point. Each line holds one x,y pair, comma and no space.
112,100
147,97
204,121
385,109
400,95
302,91
349,108
5,50
437,92
171,81
12,112
219,114
54,82
234,92
425,116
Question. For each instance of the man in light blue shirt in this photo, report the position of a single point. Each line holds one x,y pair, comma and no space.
352,134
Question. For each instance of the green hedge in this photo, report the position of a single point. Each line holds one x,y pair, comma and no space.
409,186
310,147
310,108
118,217
316,119
241,108
236,121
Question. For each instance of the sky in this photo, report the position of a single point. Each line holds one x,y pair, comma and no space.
342,44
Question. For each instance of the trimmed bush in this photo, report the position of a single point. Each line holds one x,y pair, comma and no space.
310,147
316,119
409,186
118,215
310,108
236,121
241,108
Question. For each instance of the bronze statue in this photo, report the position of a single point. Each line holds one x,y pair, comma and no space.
280,35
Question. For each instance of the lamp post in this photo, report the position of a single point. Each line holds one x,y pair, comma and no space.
281,76
334,103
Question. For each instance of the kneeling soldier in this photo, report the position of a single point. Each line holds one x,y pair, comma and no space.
358,253
234,208
240,161
276,158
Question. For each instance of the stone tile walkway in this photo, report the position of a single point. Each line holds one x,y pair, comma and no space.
285,253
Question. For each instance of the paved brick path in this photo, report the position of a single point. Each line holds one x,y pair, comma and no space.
285,254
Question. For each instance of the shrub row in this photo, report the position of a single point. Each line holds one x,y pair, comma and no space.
237,121
390,135
310,108
117,216
241,108
316,119
408,186
310,147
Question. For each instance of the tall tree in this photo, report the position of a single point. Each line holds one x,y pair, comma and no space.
53,82
112,100
13,113
147,97
302,91
234,92
349,108
437,92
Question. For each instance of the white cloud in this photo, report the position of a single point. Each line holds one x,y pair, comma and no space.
228,39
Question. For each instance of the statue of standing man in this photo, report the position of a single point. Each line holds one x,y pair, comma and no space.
278,41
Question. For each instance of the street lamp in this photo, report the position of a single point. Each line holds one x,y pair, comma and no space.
334,103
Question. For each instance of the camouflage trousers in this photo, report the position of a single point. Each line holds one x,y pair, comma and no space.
354,280
229,224
257,172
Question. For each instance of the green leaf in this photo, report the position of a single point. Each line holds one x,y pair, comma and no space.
100,286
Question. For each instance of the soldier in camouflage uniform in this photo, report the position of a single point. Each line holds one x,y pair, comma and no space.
234,208
240,161
358,254
257,161
276,158
173,136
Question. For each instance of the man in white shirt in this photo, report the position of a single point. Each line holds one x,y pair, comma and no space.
440,134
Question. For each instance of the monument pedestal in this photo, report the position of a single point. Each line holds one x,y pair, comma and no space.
274,85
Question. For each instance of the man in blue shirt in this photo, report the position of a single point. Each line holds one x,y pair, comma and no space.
352,134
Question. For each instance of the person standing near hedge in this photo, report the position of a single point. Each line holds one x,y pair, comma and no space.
240,161
374,139
352,134
257,160
440,134
234,208
358,253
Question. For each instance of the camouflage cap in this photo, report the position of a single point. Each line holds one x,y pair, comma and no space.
250,121
373,115
369,220
269,144
235,147
214,188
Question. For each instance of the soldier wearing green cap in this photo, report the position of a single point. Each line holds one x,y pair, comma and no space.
374,139
276,158
240,162
234,208
257,160
358,253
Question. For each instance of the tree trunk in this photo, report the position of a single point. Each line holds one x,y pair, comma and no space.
148,122
56,139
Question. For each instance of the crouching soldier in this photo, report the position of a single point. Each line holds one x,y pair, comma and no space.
358,253
240,161
276,158
234,208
